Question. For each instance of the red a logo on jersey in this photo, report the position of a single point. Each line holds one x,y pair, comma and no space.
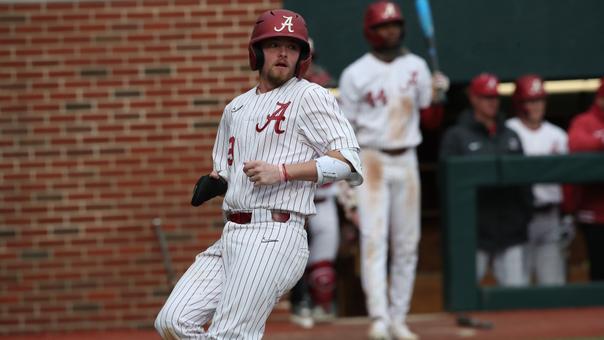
278,116
411,82
371,99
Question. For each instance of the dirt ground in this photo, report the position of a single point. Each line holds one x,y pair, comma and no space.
567,323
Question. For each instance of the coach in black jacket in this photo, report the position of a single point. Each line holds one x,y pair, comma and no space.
503,212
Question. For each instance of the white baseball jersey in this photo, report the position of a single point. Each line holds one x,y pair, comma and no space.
293,123
548,139
382,100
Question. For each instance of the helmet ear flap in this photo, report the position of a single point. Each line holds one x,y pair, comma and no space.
303,61
259,57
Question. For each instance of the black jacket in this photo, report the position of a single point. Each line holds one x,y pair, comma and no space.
503,212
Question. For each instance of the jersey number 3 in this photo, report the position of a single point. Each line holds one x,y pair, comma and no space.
230,153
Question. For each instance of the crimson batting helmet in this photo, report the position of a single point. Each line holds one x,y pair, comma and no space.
485,85
280,23
378,13
528,87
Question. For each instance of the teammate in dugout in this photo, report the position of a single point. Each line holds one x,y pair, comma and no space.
384,94
274,144
503,212
586,134
543,255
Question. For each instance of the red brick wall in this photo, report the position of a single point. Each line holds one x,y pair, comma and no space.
108,111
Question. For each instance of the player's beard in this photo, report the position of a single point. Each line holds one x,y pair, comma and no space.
277,76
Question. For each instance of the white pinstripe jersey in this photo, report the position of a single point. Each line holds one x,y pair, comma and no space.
382,100
548,139
294,123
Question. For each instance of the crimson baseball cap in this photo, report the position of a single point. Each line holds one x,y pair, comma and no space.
485,85
600,92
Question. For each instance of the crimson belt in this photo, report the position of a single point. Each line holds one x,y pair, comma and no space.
246,217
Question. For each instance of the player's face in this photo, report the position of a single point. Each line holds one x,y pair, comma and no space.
485,106
280,58
391,33
535,110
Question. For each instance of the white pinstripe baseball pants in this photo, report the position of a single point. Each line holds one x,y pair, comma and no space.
389,212
237,281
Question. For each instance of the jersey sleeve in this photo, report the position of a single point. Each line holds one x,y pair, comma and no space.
349,97
222,147
581,137
323,124
424,86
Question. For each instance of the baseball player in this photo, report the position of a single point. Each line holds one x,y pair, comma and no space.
543,255
586,134
503,213
312,297
275,144
383,94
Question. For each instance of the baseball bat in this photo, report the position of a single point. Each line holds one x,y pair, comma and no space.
165,252
424,14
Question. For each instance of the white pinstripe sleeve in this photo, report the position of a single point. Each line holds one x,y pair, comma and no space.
323,123
221,146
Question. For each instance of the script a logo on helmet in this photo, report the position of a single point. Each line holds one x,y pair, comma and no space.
389,11
491,83
288,23
535,86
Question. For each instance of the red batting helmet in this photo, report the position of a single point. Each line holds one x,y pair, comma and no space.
528,87
379,13
600,92
280,23
485,85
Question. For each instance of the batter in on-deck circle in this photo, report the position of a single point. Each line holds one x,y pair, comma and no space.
275,144
384,94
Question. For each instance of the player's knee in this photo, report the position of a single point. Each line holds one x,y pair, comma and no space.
406,249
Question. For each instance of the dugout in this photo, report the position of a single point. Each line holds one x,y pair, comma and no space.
556,39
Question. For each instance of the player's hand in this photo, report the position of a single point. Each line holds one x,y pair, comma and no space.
440,86
262,173
440,81
214,174
348,200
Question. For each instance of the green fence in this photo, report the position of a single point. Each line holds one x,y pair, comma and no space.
460,176
557,39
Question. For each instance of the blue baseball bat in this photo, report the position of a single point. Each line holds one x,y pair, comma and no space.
424,14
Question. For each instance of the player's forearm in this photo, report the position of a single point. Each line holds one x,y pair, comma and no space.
307,171
580,141
334,166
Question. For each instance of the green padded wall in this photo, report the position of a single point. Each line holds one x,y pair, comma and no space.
560,39
459,179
